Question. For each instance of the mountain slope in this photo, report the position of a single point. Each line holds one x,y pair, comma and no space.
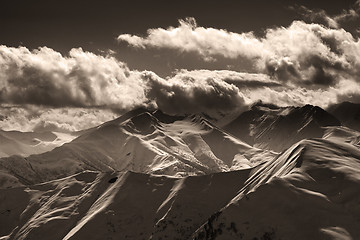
140,141
275,128
127,205
27,143
308,192
348,113
342,134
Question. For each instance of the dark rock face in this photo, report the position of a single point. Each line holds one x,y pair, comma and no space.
348,113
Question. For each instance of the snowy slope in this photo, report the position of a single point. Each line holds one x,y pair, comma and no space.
127,205
275,128
27,143
342,134
147,175
308,192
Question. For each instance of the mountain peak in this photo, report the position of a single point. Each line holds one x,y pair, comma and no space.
348,113
143,123
278,128
165,118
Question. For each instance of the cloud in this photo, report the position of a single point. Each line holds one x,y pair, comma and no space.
82,79
348,91
184,92
193,93
44,79
234,91
349,15
302,63
334,21
239,79
344,90
303,54
188,37
318,15
33,118
311,54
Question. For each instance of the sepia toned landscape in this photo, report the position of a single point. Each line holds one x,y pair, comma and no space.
192,120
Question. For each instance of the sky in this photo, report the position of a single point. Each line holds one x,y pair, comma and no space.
70,65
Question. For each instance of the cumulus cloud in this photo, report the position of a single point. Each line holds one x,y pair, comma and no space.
48,90
179,94
348,91
82,79
187,93
184,92
302,63
43,77
239,90
311,55
208,42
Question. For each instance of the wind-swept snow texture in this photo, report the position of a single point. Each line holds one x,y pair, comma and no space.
311,191
127,205
147,175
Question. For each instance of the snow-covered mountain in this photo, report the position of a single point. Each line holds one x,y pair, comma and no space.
129,205
140,141
348,113
148,175
310,191
27,143
277,128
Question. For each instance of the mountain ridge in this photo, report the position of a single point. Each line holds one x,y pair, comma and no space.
141,142
277,128
348,113
250,203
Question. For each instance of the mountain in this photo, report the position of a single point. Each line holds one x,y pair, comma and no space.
277,128
348,113
140,141
27,143
127,205
310,191
342,134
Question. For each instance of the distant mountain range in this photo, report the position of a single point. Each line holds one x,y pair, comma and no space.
277,128
154,142
271,173
140,141
28,143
